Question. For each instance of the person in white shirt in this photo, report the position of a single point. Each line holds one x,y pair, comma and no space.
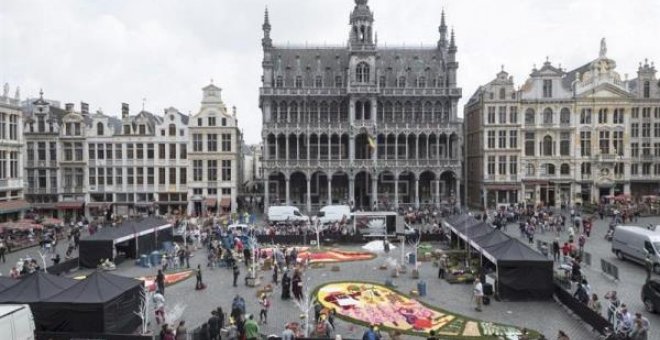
478,293
159,306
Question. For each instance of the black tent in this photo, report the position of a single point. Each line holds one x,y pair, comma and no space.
490,239
101,303
522,273
133,238
6,282
35,288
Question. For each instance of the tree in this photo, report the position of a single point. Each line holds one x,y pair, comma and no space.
143,309
43,261
413,242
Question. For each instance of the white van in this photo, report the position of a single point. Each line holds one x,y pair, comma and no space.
634,243
16,322
284,213
334,213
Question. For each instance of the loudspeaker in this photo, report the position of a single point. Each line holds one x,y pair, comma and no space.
390,224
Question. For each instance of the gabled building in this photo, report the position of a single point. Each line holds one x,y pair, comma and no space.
12,201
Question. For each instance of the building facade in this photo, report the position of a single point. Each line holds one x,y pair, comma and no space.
215,158
564,137
360,124
12,202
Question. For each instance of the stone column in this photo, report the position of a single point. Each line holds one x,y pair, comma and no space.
286,152
396,192
437,193
485,198
351,190
297,148
277,148
351,148
416,192
266,198
309,195
374,190
329,190
458,191
288,191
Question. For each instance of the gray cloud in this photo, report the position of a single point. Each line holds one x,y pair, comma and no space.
108,52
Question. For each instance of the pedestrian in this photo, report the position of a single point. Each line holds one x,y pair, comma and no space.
288,334
432,335
561,335
181,331
641,327
160,281
199,285
555,249
236,273
478,292
582,240
595,305
3,250
265,305
214,326
275,271
296,286
159,307
370,333
251,328
286,286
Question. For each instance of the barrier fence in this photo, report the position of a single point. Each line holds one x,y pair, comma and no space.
88,336
609,269
329,239
595,320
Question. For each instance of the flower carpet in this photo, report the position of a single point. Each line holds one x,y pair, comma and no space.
326,255
369,303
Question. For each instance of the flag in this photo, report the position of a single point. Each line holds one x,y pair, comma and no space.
372,142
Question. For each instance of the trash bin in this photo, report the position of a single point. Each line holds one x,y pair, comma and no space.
421,288
411,258
144,261
155,258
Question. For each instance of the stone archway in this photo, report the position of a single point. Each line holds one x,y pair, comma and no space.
362,194
298,189
407,188
277,188
339,188
427,188
448,186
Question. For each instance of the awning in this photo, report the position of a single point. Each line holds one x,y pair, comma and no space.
197,198
211,202
69,205
225,202
13,206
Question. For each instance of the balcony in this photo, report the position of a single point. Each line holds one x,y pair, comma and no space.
73,190
41,164
303,91
369,164
41,191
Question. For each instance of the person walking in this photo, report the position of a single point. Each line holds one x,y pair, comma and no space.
296,286
275,272
3,250
214,326
159,307
556,249
286,286
265,305
478,292
199,285
160,281
251,328
181,331
236,273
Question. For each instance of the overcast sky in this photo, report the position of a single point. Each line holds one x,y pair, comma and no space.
109,52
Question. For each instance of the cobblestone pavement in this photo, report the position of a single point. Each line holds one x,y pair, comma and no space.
631,275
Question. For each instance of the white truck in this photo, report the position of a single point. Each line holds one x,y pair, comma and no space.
16,322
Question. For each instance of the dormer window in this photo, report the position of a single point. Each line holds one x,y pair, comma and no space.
502,94
199,121
318,82
127,129
211,121
547,88
99,129
421,82
647,89
171,117
172,130
362,73
338,81
401,82
142,129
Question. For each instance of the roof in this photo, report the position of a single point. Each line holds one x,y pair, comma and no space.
6,282
514,250
35,287
99,287
491,239
128,228
479,229
570,76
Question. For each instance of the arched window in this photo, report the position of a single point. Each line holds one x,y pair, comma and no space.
647,89
565,169
530,117
299,82
547,146
502,93
547,116
565,116
318,82
549,169
279,81
362,73
421,82
402,82
99,129
172,130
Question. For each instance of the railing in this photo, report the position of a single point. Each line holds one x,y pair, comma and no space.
41,164
75,190
588,315
41,190
309,91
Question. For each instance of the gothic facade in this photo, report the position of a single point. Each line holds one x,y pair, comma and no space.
360,124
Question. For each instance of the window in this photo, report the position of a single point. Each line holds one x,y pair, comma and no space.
502,93
161,151
139,176
646,169
501,115
13,128
646,112
513,165
130,179
92,151
585,169
199,121
547,146
602,116
634,169
501,140
118,153
564,169
547,116
224,121
142,129
362,73
565,144
226,142
491,139
491,115
617,118
129,150
30,151
279,81
604,142
99,129
119,176
13,165
161,175
299,82
100,151
173,151
529,143
183,151
656,129
92,176
491,165
529,117
585,116
421,82
549,169
197,142
617,142
212,142
211,121
501,165
79,151
646,129
197,170
634,130
318,82
634,149
547,88
656,149
634,113
139,151
53,151
226,170
646,149
338,81
68,151
41,151
172,176
565,116
513,115
531,170
212,170
647,89
108,151
401,82
183,176
381,82
513,139
127,129
150,175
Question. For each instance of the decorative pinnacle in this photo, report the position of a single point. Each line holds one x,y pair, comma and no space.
41,93
266,25
442,20
452,41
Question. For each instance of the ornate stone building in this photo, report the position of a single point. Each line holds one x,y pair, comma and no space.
564,137
12,202
360,123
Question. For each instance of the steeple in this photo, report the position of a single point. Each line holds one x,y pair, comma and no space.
452,43
361,21
442,43
266,42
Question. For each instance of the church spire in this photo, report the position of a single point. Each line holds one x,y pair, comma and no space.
442,43
361,21
266,42
452,43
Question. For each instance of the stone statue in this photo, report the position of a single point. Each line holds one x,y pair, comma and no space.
5,90
603,48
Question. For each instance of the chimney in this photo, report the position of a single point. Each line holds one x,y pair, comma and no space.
124,110
68,107
84,108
